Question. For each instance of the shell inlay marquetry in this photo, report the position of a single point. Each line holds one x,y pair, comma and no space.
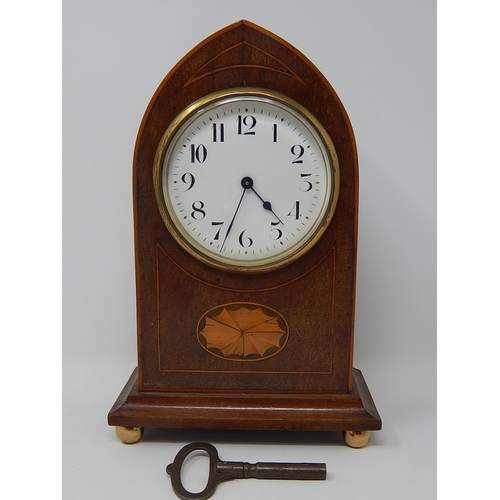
242,332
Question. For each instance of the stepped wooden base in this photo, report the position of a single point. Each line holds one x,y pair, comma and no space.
352,413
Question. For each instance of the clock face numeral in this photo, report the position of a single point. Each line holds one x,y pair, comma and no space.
188,178
276,232
295,211
298,151
245,241
234,202
306,185
198,213
249,121
217,234
198,153
218,133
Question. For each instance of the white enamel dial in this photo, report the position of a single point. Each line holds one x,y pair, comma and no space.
246,180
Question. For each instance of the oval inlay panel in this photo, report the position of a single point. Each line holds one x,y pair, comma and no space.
242,332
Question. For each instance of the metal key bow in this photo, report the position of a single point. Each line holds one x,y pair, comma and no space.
223,471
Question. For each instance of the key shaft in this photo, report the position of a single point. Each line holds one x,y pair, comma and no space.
273,470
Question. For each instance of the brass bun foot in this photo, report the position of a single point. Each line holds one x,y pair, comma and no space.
129,435
356,439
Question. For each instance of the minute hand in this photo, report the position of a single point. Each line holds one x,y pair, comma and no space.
232,220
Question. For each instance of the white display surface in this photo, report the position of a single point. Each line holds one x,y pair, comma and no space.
247,182
379,57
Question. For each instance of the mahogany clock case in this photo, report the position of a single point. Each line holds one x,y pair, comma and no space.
309,383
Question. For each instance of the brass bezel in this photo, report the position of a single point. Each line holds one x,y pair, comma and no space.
198,251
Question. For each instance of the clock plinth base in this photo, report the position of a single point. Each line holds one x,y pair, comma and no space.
352,412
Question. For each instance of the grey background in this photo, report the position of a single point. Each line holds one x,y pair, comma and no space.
379,55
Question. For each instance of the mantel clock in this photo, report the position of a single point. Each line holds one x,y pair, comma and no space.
245,210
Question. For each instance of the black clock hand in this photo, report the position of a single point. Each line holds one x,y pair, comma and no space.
266,205
234,216
248,181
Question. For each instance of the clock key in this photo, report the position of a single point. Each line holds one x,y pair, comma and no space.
224,471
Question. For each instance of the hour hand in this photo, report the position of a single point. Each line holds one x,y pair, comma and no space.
267,205
247,182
